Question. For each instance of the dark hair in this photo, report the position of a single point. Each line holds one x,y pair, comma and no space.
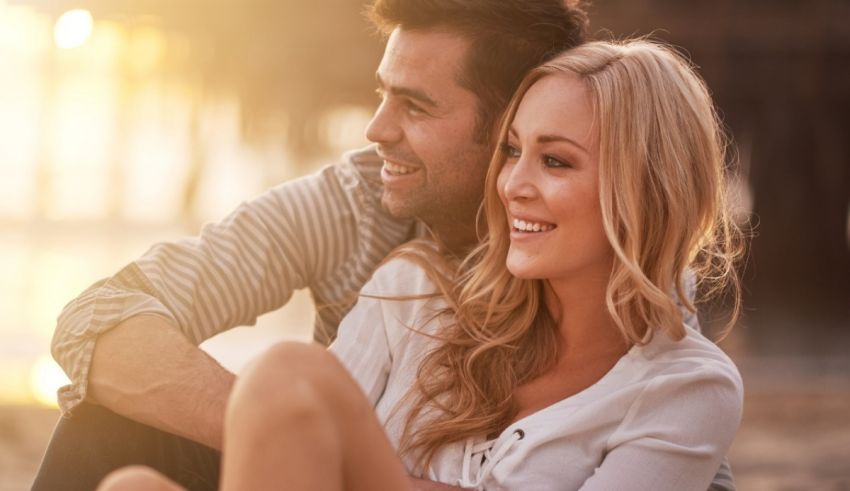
507,39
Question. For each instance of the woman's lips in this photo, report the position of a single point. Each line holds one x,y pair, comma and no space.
531,226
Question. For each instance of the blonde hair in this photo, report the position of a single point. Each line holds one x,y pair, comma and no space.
662,166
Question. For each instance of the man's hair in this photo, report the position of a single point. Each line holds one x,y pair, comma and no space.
507,39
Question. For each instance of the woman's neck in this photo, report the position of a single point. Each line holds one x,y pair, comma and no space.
585,326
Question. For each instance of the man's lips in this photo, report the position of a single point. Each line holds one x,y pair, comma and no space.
397,169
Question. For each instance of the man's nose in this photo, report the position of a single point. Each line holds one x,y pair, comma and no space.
383,127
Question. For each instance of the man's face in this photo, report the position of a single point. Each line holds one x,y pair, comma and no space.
425,130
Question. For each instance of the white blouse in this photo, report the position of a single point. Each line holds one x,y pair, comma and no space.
661,419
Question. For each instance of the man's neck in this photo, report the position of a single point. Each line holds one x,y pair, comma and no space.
456,238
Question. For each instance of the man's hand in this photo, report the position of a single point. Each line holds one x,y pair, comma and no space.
146,370
425,485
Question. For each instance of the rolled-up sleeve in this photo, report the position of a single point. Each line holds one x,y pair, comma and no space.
235,270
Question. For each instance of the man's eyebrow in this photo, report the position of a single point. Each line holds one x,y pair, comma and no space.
551,138
408,92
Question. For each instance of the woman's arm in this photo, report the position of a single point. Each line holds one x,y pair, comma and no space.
365,339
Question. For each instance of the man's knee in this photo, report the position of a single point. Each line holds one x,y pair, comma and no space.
137,478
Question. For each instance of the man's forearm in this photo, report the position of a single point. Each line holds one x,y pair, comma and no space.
146,370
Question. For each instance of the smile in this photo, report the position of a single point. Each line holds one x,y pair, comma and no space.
398,169
524,226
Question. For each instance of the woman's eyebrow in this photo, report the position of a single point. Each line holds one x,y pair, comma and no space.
550,138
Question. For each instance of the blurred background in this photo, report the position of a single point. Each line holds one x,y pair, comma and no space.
123,123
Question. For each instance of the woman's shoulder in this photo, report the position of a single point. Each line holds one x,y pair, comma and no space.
693,353
692,367
408,297
399,277
686,401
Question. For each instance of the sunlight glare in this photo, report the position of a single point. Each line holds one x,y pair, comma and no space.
73,28
46,378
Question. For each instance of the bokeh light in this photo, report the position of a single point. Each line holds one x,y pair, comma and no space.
73,28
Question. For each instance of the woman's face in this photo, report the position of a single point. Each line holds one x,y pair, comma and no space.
549,185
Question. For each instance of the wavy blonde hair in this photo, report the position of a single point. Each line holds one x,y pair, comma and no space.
662,179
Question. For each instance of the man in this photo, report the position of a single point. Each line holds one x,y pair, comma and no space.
143,393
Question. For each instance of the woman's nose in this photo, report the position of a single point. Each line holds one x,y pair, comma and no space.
518,180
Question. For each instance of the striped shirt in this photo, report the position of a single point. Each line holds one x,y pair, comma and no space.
326,232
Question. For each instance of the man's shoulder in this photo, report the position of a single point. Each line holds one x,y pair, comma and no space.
354,179
366,156
365,162
355,176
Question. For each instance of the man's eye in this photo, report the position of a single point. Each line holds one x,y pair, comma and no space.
414,109
510,151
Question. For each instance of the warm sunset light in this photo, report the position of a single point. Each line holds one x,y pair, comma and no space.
73,28
46,378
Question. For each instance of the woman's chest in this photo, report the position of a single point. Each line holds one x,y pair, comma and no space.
562,382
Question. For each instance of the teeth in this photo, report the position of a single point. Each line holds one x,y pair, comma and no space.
532,226
398,169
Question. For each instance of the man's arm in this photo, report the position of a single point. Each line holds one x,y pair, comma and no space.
184,389
178,294
234,271
723,480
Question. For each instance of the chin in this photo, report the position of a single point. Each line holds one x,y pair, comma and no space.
395,206
522,271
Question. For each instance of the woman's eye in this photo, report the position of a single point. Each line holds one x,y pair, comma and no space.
510,151
550,161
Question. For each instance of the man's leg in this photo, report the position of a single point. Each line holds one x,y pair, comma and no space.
95,441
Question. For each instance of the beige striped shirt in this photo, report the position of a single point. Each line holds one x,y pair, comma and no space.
326,232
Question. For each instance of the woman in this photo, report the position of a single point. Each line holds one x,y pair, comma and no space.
557,357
